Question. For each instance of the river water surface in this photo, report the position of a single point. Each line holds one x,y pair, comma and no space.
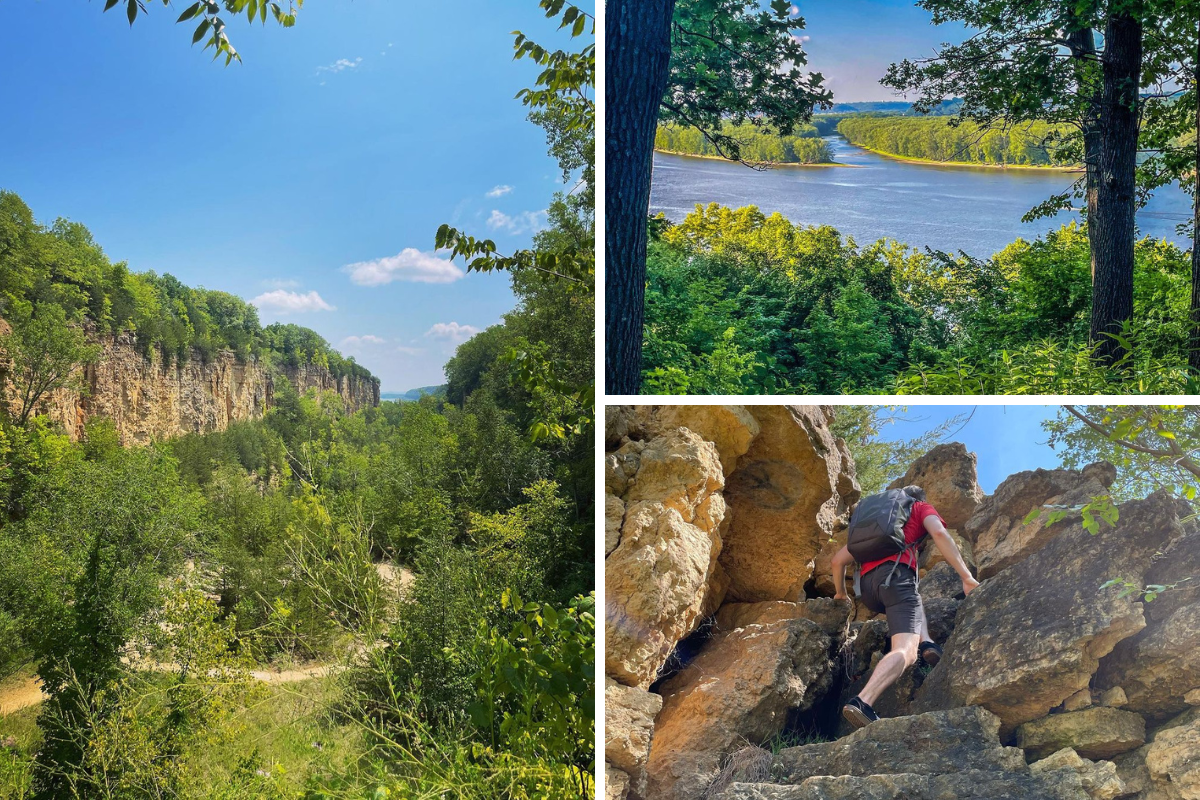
977,210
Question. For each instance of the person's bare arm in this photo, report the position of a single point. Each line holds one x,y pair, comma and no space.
841,560
949,550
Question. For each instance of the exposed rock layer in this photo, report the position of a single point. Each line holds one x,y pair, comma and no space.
151,399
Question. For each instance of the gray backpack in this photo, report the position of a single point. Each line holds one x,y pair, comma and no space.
877,528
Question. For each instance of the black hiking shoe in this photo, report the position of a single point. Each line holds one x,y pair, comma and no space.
929,653
858,713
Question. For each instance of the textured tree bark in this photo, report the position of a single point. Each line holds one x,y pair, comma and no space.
637,54
1112,226
1194,351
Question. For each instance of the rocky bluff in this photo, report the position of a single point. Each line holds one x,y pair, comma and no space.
155,397
727,659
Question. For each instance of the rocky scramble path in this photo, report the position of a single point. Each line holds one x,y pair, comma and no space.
930,756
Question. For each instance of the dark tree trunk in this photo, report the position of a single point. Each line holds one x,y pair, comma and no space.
1112,227
1194,352
637,55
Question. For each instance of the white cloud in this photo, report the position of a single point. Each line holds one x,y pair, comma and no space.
794,10
410,351
522,222
451,331
285,302
801,39
341,65
280,283
410,264
359,341
499,191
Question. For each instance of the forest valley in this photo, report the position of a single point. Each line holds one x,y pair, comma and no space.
1112,86
395,602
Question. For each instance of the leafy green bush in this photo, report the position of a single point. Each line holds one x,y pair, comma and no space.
535,692
739,302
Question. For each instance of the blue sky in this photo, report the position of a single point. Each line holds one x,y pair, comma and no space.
1006,439
312,177
852,42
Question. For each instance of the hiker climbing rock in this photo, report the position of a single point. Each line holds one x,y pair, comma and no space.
886,531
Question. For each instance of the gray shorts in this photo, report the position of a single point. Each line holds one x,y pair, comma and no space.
899,600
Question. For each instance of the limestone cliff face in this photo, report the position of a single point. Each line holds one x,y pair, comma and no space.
158,398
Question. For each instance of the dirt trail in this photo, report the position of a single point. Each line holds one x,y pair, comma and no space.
28,692
21,694
18,695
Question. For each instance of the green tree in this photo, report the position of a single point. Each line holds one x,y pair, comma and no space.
83,572
1040,60
563,258
1171,130
45,354
698,63
1153,447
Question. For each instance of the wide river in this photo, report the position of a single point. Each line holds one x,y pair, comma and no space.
872,197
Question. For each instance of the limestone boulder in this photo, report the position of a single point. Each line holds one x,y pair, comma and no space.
730,428
739,689
1099,778
998,531
657,578
785,499
614,518
1034,634
940,614
1173,761
629,715
833,616
822,578
930,556
949,476
622,424
968,784
616,783
1157,668
1096,732
941,582
935,756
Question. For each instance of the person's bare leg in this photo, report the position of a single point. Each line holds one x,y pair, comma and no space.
924,628
902,656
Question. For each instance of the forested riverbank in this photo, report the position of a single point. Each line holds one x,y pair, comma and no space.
803,146
939,139
739,302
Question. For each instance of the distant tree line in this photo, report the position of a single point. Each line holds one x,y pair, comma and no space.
937,139
756,144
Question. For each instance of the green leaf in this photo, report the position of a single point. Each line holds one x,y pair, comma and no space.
131,10
189,12
201,29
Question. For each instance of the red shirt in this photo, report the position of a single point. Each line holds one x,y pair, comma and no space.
914,531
